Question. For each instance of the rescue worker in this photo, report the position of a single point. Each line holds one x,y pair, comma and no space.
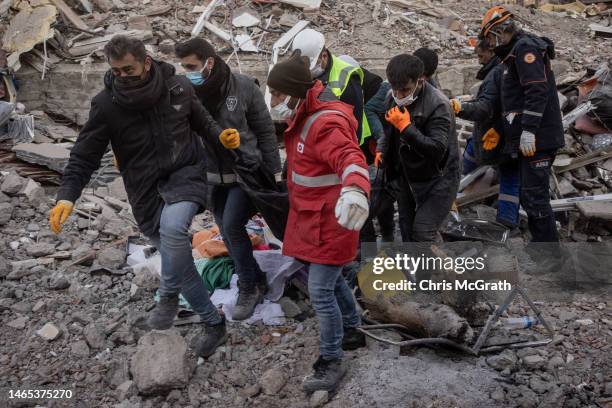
344,79
328,186
148,114
421,149
234,101
531,111
486,144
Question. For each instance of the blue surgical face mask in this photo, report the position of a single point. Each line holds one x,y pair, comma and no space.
195,77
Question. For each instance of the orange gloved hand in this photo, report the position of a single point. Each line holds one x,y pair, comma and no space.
490,139
230,139
399,118
59,214
456,105
378,159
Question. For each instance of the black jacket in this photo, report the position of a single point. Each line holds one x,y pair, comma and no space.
159,156
529,91
427,152
485,109
243,108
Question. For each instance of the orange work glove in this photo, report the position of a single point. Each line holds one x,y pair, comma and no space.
400,118
59,214
230,139
456,105
490,139
378,159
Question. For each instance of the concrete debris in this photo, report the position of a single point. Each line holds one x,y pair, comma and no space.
12,184
6,213
161,362
49,332
272,381
112,258
70,15
245,17
53,156
308,5
19,323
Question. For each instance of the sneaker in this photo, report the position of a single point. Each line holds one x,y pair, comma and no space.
353,339
249,296
162,316
326,377
213,337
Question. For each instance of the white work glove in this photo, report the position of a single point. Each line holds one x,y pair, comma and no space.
352,208
528,143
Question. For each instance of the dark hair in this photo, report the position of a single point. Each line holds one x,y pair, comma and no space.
199,47
402,69
482,45
120,45
430,60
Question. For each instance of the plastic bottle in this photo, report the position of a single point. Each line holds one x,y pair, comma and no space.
513,323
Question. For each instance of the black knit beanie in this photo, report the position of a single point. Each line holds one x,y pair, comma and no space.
292,76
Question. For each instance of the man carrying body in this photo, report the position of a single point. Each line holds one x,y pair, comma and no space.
149,115
234,101
328,185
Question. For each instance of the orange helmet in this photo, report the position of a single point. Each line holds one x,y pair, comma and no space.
493,16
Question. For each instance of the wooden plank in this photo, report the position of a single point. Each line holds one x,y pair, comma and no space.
70,14
585,160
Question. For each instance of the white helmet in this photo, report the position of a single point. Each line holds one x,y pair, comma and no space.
310,43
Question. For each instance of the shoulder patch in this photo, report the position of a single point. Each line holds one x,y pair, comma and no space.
529,58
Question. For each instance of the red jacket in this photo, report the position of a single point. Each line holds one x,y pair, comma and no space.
322,157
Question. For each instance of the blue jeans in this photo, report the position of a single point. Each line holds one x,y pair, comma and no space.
179,274
232,209
334,304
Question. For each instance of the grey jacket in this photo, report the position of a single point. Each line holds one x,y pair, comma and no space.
244,109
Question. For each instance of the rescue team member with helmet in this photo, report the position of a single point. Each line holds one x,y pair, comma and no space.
328,184
533,123
344,79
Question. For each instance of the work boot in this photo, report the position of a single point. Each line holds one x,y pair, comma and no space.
326,377
213,337
353,339
162,316
249,296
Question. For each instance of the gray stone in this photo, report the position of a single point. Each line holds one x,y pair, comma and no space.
250,391
38,306
167,47
111,258
505,360
272,381
319,398
49,332
538,385
4,198
18,323
58,281
12,184
4,267
161,362
34,193
145,278
80,348
498,395
534,362
608,389
6,212
125,390
22,307
290,308
40,249
94,335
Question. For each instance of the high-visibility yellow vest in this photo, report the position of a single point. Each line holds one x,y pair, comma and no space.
339,76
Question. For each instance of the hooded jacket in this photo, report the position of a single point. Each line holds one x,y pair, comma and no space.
151,132
322,157
242,107
529,92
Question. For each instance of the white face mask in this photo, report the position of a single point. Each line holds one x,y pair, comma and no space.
408,100
282,111
317,71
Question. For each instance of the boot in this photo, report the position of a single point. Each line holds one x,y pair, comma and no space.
249,296
326,377
162,316
353,339
213,337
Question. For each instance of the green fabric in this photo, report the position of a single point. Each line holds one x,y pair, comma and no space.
216,274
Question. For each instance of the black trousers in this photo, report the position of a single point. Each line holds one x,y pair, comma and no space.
384,213
420,218
535,195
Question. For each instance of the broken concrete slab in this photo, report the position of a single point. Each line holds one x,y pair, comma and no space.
51,155
161,362
595,209
97,43
28,28
60,132
309,5
49,332
70,15
34,193
245,17
18,323
13,183
6,213
40,249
